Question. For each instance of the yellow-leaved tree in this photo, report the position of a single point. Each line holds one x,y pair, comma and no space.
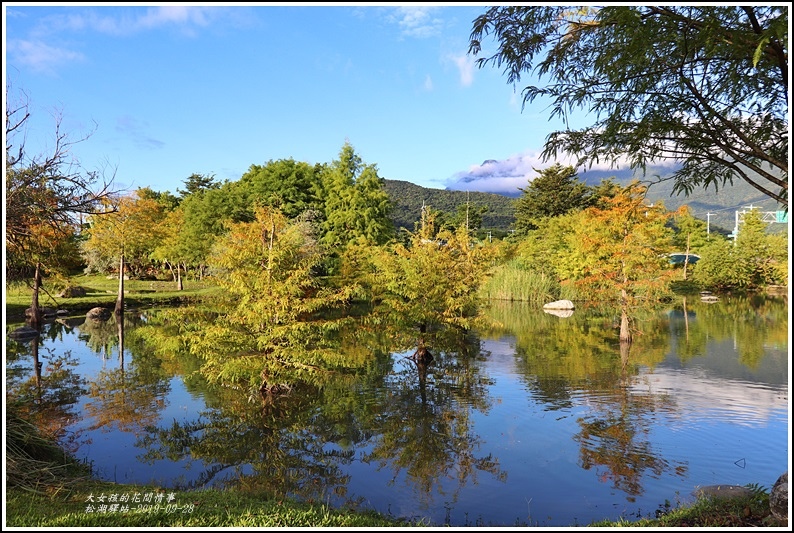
274,323
617,250
434,279
126,234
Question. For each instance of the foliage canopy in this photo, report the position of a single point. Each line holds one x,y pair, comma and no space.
46,192
554,192
705,86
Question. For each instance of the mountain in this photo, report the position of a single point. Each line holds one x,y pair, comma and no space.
408,199
719,208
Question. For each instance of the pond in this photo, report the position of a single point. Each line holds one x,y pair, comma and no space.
537,420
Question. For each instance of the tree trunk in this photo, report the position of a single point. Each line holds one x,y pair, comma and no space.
119,311
35,310
179,277
625,379
625,332
34,350
686,257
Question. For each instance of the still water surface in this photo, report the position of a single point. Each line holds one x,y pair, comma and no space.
539,421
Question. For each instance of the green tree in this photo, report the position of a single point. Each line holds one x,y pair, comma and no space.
705,86
128,234
435,279
286,184
197,183
173,248
357,208
540,250
165,198
719,266
554,192
271,321
690,231
466,215
756,259
206,217
601,194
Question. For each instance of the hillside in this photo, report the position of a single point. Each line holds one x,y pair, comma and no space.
722,204
408,199
718,208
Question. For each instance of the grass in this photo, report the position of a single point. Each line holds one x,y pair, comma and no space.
513,283
745,512
102,291
207,508
34,463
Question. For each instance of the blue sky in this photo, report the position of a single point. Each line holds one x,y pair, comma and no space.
176,90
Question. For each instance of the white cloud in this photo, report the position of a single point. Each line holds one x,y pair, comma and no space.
506,176
179,15
133,129
416,21
128,21
38,53
465,65
39,56
428,85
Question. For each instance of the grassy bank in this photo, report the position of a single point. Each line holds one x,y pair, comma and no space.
208,508
102,291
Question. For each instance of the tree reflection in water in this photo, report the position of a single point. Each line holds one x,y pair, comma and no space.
127,397
581,356
297,439
615,435
429,438
368,405
48,392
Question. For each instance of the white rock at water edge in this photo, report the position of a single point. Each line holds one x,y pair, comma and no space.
559,304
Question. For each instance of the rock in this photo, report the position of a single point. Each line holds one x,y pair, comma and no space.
24,333
72,292
723,491
46,312
559,304
71,323
778,499
98,313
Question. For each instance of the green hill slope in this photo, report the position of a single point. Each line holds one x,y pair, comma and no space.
718,208
408,199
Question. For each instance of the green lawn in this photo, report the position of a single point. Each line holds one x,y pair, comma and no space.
102,291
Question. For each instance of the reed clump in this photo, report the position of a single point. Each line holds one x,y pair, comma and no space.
34,462
514,283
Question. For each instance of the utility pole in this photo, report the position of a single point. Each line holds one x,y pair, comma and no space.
467,212
708,223
736,224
